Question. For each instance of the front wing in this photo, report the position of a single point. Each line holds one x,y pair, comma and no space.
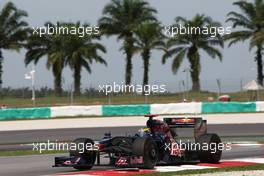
122,161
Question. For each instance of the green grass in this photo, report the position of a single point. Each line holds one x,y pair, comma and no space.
121,99
203,171
28,152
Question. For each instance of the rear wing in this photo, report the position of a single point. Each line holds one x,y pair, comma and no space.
199,125
183,122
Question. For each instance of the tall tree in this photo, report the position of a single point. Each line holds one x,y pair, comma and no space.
121,18
189,45
148,36
250,22
52,47
13,31
257,39
81,52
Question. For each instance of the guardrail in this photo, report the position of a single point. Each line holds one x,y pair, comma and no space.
25,113
131,110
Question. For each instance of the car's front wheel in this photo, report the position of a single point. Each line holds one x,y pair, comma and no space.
147,148
87,157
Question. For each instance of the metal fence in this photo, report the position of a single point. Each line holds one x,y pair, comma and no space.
177,91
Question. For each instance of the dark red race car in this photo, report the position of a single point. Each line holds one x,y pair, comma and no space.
158,144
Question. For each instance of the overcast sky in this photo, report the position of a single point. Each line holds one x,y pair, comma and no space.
238,63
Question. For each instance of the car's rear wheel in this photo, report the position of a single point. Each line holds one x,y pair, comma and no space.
147,148
211,153
87,157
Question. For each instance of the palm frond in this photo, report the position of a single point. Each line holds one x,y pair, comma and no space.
178,60
212,52
170,53
237,36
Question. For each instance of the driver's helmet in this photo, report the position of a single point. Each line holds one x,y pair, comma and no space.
143,131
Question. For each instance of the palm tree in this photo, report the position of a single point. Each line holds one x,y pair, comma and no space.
81,52
252,22
257,39
121,18
148,36
189,44
13,31
52,47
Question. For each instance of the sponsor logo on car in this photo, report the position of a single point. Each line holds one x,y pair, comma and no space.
136,160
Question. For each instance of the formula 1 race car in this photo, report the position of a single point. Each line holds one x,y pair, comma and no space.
158,144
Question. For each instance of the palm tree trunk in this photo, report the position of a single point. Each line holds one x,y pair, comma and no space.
77,80
194,59
259,65
146,57
57,73
128,69
1,69
128,50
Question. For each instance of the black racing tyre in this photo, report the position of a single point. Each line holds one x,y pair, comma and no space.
147,148
88,157
213,154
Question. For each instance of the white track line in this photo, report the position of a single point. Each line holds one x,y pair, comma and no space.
180,168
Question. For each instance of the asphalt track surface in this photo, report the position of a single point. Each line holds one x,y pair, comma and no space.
41,165
29,136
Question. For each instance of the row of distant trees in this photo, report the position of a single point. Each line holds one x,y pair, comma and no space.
134,22
26,92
